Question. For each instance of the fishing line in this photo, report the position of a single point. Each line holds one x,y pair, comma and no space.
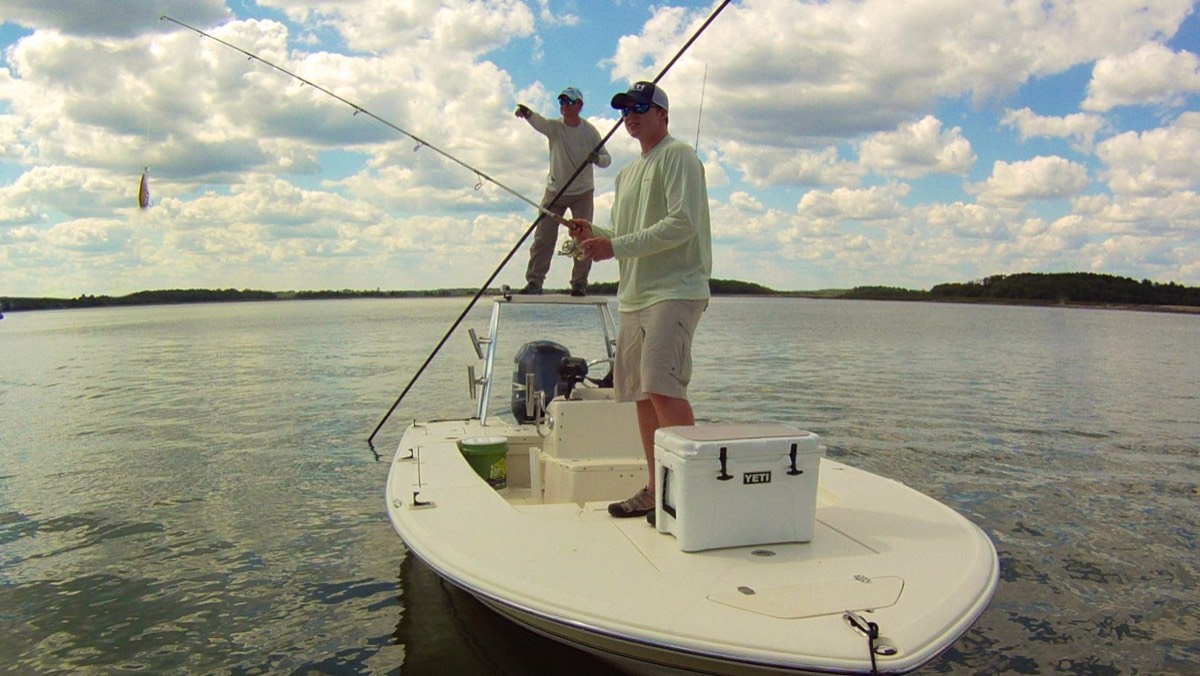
529,230
359,109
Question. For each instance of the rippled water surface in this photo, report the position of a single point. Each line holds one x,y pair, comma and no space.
189,489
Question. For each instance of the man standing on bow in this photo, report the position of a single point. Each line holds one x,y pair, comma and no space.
661,239
572,142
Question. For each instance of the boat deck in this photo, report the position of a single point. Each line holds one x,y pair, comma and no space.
910,564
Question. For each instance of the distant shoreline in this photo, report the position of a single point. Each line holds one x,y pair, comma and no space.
1070,289
65,304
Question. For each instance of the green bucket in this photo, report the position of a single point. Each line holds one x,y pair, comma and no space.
488,457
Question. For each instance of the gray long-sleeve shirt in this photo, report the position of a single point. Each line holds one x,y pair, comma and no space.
569,147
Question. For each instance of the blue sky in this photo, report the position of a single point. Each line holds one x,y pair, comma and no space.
845,143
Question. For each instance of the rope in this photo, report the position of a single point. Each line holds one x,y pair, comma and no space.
866,628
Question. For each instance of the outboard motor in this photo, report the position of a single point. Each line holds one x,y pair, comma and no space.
541,358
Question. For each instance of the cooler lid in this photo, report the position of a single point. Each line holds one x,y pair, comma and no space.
706,440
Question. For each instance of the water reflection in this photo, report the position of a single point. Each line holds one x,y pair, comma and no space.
447,631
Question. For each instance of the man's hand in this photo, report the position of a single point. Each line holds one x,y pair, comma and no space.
597,248
579,229
522,112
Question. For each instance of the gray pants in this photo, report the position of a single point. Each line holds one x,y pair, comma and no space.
545,238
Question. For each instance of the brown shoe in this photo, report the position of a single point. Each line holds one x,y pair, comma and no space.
640,504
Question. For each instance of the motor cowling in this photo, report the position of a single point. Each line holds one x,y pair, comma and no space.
543,359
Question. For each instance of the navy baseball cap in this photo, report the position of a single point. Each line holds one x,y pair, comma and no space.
641,92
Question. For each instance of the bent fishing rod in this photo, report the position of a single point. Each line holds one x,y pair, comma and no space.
516,247
544,210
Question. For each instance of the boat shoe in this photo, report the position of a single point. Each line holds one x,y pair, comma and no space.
640,504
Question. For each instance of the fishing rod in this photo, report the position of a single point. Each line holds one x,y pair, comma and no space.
699,115
359,109
516,247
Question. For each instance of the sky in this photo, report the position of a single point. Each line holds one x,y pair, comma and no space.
899,143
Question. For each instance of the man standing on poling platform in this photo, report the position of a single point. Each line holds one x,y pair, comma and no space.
572,141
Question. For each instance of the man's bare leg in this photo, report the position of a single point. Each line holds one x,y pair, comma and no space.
660,411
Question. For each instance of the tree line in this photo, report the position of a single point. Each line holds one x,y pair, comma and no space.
1071,287
1035,287
1031,287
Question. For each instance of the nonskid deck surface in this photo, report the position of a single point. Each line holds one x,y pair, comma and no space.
918,568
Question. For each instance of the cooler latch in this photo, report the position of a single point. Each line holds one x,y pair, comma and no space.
793,471
726,476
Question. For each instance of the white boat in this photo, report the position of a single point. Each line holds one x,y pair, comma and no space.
888,579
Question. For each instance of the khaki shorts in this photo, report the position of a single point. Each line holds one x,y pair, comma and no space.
654,350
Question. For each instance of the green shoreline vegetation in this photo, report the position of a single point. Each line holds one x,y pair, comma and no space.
1070,288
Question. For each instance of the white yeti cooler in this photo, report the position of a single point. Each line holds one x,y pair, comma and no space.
736,485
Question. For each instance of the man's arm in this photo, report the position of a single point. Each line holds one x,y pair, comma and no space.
600,158
539,123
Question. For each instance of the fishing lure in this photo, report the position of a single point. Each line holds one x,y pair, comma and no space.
144,190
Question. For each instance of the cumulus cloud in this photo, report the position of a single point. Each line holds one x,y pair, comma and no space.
1146,216
870,204
94,235
745,202
1154,162
548,16
472,26
1150,74
917,149
1040,178
766,166
794,73
970,221
1080,128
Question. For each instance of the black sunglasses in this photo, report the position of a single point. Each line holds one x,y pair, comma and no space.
638,108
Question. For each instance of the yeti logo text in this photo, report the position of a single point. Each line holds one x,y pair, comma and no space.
756,478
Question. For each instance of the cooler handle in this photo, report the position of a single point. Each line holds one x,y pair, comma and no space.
662,486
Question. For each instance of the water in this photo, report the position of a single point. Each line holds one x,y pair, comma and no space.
189,490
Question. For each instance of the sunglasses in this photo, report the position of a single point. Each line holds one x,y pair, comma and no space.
637,108
564,101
